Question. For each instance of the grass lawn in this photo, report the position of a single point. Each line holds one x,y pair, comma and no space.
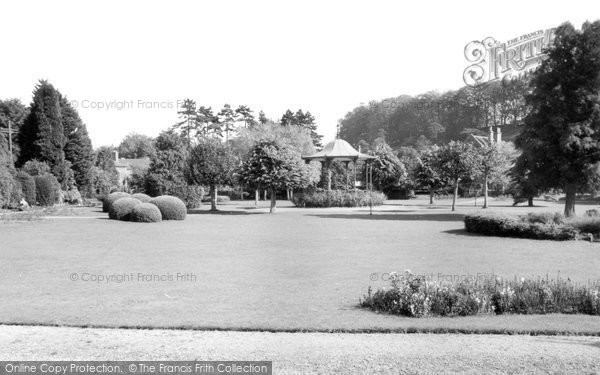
299,269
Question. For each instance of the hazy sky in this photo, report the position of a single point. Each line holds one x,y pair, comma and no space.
325,57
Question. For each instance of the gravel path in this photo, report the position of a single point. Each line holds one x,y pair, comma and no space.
313,353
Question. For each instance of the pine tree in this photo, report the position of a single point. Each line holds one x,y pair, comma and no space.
42,135
227,117
245,114
310,124
206,118
78,148
288,118
188,123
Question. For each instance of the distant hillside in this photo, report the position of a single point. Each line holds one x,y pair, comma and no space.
438,118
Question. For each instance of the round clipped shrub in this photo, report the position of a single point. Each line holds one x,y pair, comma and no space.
146,213
27,186
171,208
141,197
112,197
121,208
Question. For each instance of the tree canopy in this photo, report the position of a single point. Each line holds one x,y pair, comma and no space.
275,165
560,141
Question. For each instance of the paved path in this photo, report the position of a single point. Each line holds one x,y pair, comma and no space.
313,353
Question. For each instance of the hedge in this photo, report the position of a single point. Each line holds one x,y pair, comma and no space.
171,208
146,213
121,208
10,189
504,226
108,200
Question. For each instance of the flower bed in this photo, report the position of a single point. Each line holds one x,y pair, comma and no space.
416,296
338,198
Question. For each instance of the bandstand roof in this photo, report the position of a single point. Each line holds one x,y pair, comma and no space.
338,149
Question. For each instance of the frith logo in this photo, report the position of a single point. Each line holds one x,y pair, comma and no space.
491,60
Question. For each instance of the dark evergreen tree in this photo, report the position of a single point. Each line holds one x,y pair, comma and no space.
167,164
78,148
561,137
288,118
42,135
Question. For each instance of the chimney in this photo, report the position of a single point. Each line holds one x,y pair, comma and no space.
116,154
498,134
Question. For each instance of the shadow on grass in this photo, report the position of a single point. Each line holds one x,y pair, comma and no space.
463,232
220,212
397,217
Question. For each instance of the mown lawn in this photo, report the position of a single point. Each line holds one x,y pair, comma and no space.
299,269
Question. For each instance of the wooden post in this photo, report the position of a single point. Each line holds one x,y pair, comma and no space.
346,170
370,189
355,161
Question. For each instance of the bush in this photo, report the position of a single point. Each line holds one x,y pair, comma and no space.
586,224
593,213
47,190
146,213
544,218
418,296
10,189
504,226
36,168
121,208
171,208
141,197
71,196
108,200
27,187
191,195
337,198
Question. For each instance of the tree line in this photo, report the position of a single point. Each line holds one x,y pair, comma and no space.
201,122
552,115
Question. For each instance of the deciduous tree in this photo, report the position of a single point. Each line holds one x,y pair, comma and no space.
455,161
212,163
275,166
560,141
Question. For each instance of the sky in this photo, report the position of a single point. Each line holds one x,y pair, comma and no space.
126,64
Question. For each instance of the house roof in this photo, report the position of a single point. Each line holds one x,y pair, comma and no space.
338,149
